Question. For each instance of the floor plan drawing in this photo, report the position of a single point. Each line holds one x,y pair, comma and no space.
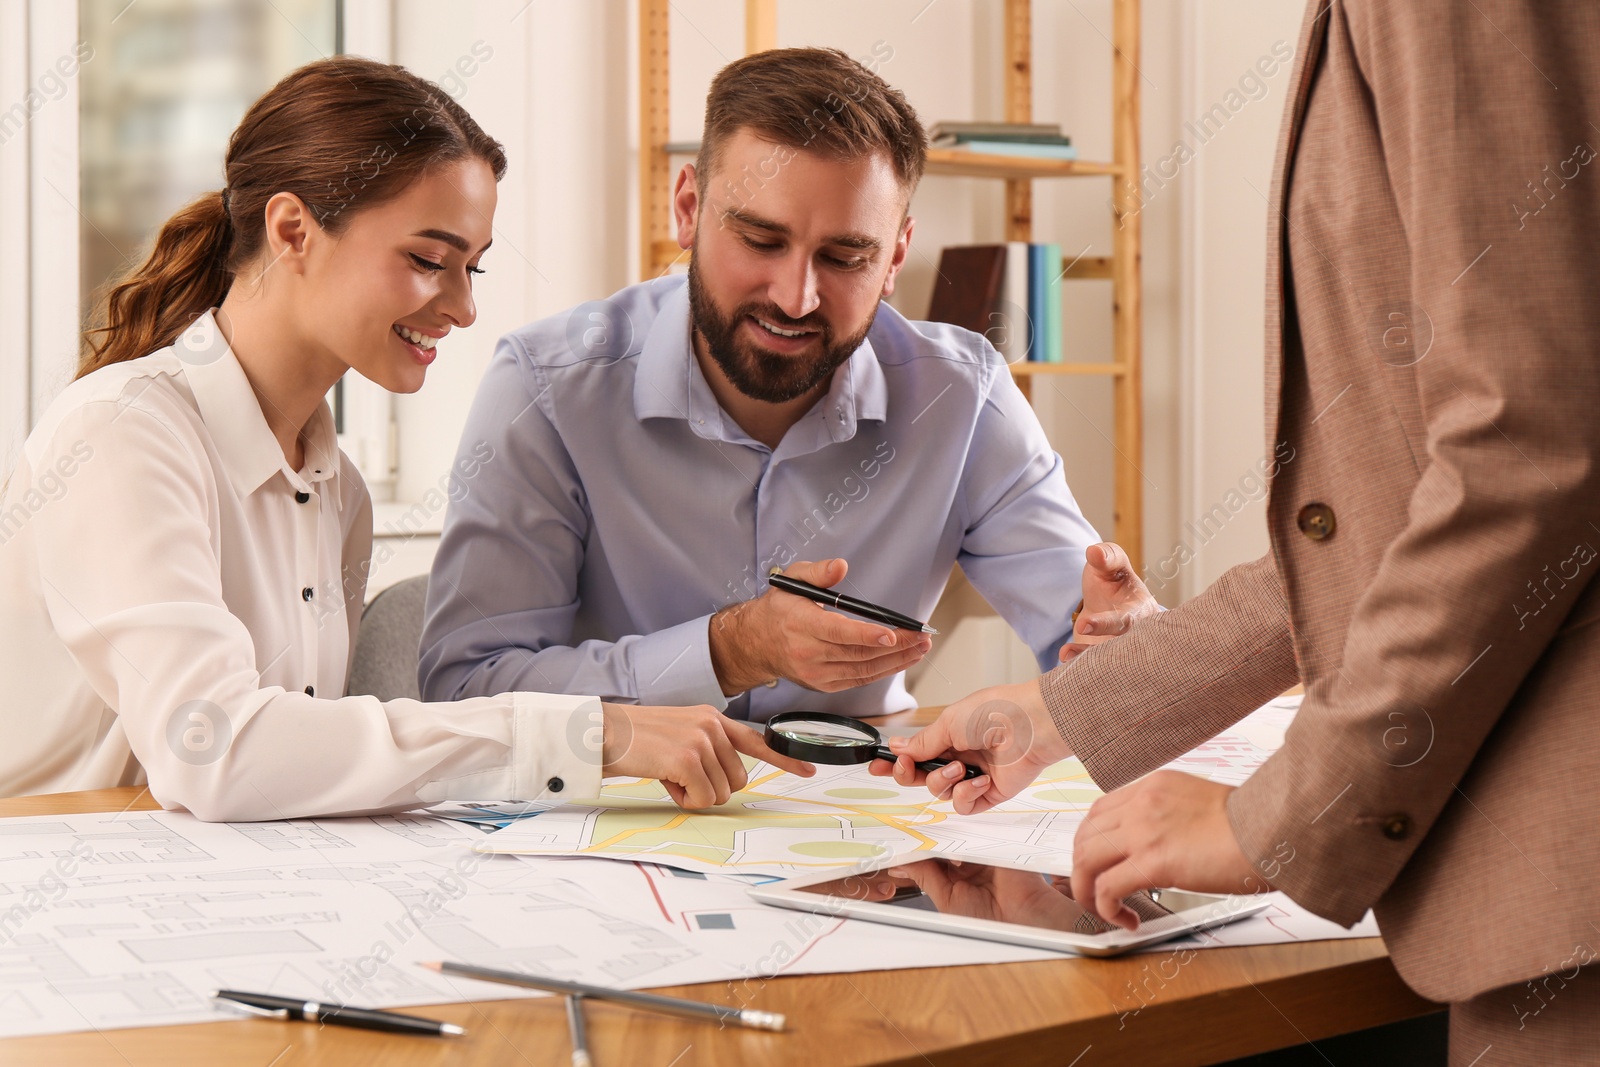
112,920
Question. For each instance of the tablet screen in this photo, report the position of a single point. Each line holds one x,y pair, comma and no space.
1002,894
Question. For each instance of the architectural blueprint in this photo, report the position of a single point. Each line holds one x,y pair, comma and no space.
131,919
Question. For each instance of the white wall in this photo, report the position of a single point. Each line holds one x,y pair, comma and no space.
555,91
1222,271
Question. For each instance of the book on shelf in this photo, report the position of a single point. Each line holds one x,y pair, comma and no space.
967,289
1015,148
1039,345
1010,293
1014,306
1052,303
1044,303
956,132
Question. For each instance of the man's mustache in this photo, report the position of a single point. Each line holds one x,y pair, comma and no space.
779,319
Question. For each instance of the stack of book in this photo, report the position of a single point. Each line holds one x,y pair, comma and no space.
1039,140
1010,293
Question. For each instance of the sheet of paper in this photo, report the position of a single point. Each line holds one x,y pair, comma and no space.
714,913
132,919
756,942
782,825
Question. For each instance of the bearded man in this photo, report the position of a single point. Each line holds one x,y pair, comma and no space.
656,454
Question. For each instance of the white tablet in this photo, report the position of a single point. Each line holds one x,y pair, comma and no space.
978,898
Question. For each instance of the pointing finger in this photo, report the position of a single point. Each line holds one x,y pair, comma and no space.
751,743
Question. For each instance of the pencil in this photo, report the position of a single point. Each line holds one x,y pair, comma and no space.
693,1009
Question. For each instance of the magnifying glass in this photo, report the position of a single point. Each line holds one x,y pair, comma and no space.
836,741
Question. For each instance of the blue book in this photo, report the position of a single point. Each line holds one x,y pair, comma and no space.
1038,309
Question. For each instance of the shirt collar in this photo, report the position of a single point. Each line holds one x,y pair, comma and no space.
668,384
661,381
232,414
859,391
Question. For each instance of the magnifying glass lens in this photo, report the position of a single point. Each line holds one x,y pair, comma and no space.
819,732
822,738
835,740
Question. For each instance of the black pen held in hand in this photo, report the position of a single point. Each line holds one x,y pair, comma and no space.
871,612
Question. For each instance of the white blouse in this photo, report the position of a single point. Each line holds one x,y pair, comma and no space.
176,602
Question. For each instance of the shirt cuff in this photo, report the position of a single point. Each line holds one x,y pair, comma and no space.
556,744
673,666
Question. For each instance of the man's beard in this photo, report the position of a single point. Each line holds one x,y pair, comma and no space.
762,375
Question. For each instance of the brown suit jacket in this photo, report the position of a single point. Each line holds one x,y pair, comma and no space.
1433,314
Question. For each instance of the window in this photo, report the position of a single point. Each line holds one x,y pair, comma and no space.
164,87
124,112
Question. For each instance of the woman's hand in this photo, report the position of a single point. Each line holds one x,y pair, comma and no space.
1166,829
694,752
1004,730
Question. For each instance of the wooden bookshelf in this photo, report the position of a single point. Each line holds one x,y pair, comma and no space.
1028,370
960,164
658,251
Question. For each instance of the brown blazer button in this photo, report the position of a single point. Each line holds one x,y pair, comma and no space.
1316,521
1396,827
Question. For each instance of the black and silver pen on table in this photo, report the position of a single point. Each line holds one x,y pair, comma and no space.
834,599
267,1006
580,1033
692,1009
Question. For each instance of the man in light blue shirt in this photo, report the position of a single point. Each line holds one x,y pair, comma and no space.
652,456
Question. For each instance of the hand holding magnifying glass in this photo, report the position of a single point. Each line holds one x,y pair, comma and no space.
837,741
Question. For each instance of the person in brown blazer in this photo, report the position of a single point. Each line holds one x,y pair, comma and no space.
1433,316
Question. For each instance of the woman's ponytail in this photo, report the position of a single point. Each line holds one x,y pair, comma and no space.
342,134
186,273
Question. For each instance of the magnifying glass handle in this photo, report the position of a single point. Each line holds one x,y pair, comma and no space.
928,766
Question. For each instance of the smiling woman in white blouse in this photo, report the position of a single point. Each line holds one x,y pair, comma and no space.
183,548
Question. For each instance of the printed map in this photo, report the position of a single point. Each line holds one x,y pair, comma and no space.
782,825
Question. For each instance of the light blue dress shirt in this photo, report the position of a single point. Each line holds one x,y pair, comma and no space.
613,506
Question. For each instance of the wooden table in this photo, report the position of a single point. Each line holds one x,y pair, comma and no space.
1148,1010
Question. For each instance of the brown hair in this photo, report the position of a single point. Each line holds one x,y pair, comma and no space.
341,134
817,99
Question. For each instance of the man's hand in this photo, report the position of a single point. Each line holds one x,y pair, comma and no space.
1005,730
693,751
780,635
1114,598
1166,829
